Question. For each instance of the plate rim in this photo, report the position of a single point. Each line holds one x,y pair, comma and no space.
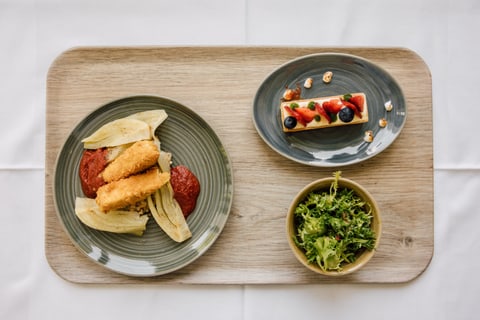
228,170
317,54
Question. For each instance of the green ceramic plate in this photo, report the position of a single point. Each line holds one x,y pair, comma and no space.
336,146
193,143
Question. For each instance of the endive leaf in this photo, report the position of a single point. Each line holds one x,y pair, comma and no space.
118,132
116,221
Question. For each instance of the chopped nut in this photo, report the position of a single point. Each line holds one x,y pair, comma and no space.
327,76
288,94
292,94
368,136
382,122
388,105
308,83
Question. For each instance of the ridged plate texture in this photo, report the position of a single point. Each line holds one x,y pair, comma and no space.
337,146
193,143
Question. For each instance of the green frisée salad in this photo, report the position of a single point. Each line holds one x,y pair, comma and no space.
333,226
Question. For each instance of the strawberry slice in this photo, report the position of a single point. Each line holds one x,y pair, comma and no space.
332,106
322,112
307,114
327,106
358,101
296,115
353,108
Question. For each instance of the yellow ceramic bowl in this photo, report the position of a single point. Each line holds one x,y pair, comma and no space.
324,184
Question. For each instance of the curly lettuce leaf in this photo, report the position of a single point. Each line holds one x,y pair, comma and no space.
333,227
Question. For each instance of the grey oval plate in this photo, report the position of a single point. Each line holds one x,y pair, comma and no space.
336,146
193,143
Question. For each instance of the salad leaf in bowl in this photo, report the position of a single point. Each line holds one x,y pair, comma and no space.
333,226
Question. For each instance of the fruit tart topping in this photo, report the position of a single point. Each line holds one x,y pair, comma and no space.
296,115
352,107
346,115
358,101
333,106
290,122
307,114
319,108
322,112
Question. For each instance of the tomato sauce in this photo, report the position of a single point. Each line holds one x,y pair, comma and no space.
186,188
93,162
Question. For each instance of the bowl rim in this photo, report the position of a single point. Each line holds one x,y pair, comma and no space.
321,184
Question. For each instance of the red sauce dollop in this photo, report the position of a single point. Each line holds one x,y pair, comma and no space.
185,188
91,165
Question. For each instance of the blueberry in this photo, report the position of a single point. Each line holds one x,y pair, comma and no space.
346,114
290,122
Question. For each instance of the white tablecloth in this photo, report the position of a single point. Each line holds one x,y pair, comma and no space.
444,33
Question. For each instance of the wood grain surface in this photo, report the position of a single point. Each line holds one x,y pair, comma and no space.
219,83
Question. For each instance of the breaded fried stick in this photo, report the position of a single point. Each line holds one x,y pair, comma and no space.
127,191
138,157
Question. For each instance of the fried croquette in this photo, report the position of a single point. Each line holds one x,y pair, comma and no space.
127,191
136,158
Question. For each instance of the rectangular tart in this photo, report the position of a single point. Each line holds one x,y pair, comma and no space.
324,112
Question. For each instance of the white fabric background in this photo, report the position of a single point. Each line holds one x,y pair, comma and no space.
444,33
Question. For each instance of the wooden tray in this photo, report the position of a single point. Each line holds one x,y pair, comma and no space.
219,83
